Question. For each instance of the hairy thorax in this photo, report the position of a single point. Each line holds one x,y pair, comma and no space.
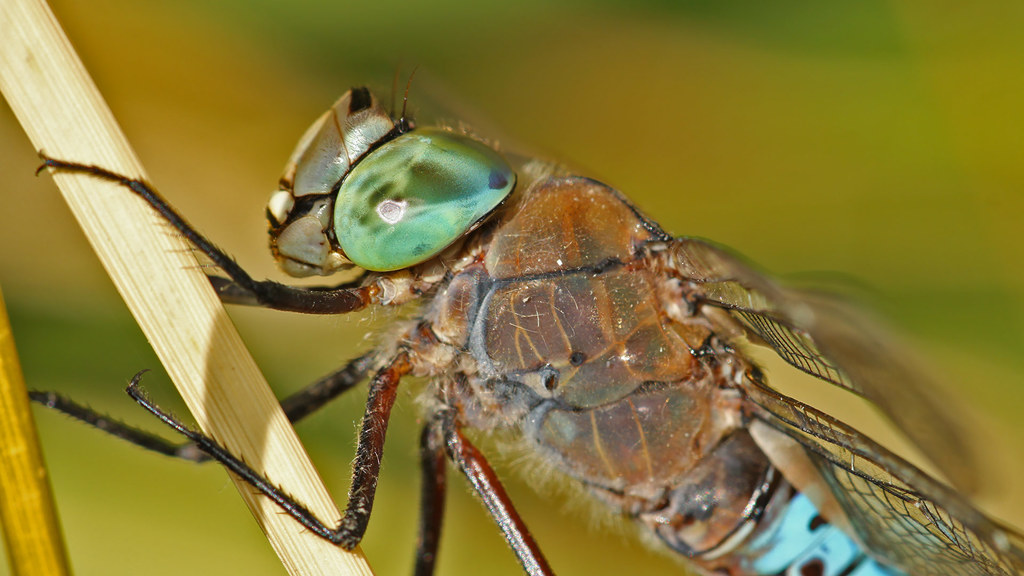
562,335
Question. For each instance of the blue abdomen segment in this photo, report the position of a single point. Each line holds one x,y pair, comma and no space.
801,542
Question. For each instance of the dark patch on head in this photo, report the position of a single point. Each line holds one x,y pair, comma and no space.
361,100
381,191
817,522
303,207
813,568
577,358
497,180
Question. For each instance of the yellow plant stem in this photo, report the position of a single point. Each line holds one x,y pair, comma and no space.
28,515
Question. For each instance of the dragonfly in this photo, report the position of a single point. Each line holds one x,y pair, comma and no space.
550,312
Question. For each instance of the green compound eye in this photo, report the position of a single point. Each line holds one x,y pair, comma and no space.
412,197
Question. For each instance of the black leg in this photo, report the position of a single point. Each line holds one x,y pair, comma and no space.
264,292
230,292
485,483
296,407
350,531
137,436
432,493
370,451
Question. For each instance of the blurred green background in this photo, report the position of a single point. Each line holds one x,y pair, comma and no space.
879,141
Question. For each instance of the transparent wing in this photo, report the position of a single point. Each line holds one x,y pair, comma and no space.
834,341
897,511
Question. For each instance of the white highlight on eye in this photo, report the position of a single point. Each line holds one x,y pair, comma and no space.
392,211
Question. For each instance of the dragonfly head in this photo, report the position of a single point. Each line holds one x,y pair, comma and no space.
362,190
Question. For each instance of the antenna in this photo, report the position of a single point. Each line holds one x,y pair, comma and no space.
403,121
